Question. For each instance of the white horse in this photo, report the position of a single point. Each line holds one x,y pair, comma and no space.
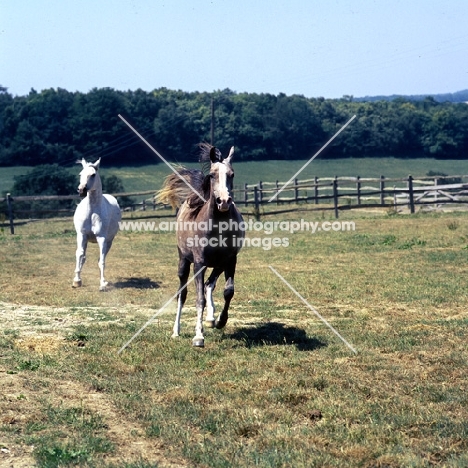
96,219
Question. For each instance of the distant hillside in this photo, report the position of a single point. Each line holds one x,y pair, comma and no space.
459,96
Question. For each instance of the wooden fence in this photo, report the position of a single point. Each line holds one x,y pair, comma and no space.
359,192
337,193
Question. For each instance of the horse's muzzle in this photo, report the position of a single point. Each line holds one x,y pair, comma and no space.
83,191
224,205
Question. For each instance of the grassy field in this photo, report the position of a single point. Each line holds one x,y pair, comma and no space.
150,177
276,388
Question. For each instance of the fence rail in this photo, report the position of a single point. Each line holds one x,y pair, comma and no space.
360,192
335,193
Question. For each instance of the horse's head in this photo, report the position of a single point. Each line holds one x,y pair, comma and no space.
88,177
222,176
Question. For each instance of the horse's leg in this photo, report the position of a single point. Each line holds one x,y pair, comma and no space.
228,293
184,271
81,241
199,339
210,285
104,247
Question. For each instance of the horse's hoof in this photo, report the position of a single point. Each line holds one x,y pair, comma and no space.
209,323
198,342
77,284
219,324
103,287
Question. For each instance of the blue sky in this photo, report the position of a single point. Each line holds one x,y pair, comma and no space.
326,48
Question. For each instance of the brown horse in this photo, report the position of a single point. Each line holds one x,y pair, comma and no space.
210,233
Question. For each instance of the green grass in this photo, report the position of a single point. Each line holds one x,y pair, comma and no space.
7,175
85,426
150,177
275,388
252,172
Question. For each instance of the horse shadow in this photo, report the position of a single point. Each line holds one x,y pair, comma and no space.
274,333
137,283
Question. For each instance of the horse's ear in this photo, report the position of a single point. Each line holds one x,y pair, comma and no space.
213,154
96,164
81,161
230,155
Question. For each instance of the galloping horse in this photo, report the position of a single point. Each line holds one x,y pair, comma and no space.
210,233
96,219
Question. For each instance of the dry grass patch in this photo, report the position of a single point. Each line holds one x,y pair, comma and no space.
276,387
59,413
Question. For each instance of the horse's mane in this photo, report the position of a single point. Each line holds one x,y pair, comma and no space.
175,191
205,158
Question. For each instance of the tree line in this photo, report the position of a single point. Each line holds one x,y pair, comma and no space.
56,126
459,96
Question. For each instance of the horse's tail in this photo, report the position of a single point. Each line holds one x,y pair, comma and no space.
175,191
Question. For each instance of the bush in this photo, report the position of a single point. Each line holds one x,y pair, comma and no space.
113,184
52,179
445,180
46,179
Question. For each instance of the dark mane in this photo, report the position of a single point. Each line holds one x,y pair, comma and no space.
205,149
203,186
194,201
204,159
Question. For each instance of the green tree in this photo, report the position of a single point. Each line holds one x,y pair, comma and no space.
446,133
96,124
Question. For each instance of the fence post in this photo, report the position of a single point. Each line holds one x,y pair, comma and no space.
335,195
257,204
316,190
411,194
277,189
245,195
382,190
10,213
358,189
296,191
260,187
